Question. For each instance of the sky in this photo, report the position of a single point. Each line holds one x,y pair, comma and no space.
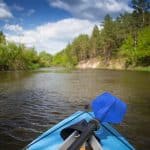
51,24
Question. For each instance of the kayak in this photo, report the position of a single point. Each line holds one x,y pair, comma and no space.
110,138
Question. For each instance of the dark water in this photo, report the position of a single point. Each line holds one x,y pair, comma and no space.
31,102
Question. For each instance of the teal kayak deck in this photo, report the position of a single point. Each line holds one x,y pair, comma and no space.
51,139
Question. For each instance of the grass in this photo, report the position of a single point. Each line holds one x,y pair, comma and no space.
141,68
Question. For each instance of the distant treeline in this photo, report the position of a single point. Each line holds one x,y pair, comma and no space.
128,37
18,57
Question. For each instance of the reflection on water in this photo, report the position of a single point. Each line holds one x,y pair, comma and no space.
31,102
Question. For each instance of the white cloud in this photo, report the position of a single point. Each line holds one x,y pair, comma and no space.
4,11
92,9
30,12
53,37
18,7
13,27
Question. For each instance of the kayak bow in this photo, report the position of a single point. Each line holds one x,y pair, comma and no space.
110,139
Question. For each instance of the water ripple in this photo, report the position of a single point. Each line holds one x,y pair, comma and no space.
32,102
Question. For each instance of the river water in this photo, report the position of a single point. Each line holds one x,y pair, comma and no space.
33,101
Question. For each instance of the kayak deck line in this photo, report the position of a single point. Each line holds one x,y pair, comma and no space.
109,137
108,127
54,128
121,138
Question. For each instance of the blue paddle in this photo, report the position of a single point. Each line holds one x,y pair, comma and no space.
106,108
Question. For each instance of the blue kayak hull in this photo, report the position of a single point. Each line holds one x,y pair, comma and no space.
51,139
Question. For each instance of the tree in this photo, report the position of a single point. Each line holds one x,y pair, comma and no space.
2,38
139,55
143,47
4,57
71,58
108,38
80,47
31,58
128,51
16,60
45,59
18,57
95,42
140,8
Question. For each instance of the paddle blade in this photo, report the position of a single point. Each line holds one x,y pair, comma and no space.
108,108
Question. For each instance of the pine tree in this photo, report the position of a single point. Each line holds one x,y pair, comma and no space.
95,42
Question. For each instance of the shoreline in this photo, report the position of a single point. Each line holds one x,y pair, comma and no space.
113,64
84,66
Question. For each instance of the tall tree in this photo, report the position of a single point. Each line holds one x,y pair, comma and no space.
80,47
45,59
108,41
2,38
94,42
140,8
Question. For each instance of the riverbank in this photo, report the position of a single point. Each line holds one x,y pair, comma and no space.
113,64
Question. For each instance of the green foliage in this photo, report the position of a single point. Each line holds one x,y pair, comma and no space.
143,47
64,58
4,56
127,36
70,57
144,41
2,38
108,38
127,46
18,57
80,47
94,42
31,58
128,50
141,6
138,54
58,59
45,59
73,53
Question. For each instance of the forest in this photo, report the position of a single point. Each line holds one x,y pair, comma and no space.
126,37
18,57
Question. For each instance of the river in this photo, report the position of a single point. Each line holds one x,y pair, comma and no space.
33,101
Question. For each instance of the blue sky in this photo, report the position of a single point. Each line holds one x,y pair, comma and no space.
31,13
51,24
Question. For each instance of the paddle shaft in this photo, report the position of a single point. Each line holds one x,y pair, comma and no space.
88,131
